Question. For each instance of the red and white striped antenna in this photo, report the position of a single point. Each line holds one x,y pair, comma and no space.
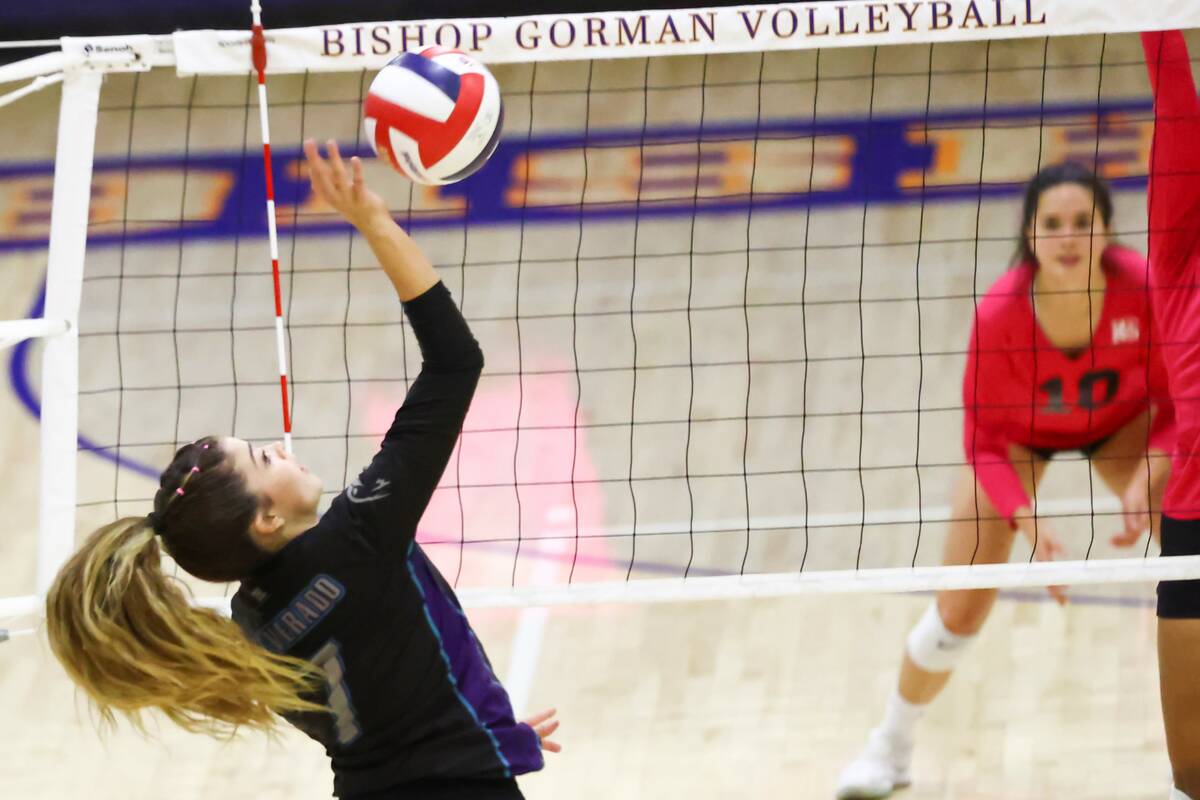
258,54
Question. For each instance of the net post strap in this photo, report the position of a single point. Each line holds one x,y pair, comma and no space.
18,330
64,283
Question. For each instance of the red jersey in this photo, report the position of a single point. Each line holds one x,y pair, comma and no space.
1174,200
1020,389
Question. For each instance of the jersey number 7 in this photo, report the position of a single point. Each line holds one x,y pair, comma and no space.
345,723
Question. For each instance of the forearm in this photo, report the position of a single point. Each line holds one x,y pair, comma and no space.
1158,465
444,337
1174,191
1001,484
1161,439
406,266
1171,75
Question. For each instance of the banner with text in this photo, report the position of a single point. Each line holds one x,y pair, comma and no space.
749,28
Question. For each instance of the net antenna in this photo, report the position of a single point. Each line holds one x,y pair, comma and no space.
763,30
258,51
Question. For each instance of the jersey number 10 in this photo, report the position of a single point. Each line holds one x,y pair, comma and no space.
1096,390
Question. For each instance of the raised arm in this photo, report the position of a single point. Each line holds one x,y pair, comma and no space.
392,493
403,262
1174,193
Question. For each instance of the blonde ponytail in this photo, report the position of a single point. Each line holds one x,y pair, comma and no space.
128,636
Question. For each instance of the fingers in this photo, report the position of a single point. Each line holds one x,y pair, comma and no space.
544,726
311,152
1136,517
318,171
356,170
540,717
338,166
342,186
544,732
1048,548
1129,536
1125,539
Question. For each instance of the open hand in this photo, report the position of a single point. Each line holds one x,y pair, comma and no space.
1148,482
544,725
1046,547
343,189
1135,507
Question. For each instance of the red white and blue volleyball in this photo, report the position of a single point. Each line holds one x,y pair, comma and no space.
435,116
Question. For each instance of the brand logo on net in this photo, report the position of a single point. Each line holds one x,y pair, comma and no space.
241,41
96,49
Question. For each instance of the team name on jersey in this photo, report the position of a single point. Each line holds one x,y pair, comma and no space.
1125,329
301,615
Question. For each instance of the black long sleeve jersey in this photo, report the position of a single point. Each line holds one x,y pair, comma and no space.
412,696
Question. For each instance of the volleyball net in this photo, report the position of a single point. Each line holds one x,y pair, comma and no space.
723,266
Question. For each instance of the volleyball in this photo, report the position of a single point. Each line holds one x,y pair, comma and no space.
434,116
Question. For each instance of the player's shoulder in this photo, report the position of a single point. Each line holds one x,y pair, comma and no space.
1126,265
1006,297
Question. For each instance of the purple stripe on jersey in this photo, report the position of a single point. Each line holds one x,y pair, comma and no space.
444,79
516,744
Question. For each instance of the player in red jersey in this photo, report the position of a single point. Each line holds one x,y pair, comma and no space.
1060,359
1174,202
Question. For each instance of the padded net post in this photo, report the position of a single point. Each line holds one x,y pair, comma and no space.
64,281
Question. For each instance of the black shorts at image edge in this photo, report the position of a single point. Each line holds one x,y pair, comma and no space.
1179,599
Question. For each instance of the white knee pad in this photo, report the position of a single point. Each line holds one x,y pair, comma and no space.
932,647
1178,795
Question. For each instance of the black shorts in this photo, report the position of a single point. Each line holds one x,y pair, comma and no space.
449,789
1179,599
1089,450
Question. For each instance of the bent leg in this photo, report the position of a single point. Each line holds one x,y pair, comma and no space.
939,639
977,536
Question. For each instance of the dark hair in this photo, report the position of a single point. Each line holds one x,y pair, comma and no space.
206,527
1056,175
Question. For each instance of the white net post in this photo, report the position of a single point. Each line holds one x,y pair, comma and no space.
64,281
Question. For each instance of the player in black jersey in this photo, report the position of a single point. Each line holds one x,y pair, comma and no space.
343,625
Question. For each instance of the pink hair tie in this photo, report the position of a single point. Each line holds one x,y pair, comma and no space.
186,478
